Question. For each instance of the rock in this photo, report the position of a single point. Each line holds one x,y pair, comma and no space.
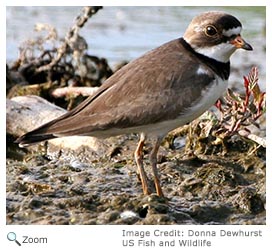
24,113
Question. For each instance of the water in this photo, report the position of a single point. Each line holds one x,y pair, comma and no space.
124,33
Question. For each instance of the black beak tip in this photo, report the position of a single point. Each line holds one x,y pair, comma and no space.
247,46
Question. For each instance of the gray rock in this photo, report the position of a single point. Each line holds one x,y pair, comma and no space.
24,113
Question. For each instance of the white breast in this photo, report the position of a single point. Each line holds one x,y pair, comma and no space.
208,98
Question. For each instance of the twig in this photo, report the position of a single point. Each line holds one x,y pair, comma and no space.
75,91
71,35
259,140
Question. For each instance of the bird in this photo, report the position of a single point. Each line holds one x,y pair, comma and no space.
158,92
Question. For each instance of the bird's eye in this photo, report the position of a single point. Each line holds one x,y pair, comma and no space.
210,30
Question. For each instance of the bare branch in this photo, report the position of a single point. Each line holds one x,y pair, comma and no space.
71,36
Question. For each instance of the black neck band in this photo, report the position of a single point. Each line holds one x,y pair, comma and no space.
221,69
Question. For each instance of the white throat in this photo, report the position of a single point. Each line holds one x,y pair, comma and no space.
220,52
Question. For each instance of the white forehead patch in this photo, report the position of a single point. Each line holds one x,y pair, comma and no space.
233,31
198,28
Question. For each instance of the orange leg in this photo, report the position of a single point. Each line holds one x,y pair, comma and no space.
139,161
153,161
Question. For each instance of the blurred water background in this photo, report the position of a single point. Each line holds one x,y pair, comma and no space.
124,33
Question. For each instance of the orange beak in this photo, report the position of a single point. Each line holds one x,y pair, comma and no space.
240,43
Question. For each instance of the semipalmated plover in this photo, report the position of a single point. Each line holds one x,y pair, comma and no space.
158,92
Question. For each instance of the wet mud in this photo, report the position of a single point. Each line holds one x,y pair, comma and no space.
203,189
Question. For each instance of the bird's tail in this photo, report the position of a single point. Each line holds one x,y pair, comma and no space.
33,137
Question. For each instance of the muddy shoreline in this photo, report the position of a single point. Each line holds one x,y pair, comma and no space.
205,189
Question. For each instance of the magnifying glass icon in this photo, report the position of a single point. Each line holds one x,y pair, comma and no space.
12,237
